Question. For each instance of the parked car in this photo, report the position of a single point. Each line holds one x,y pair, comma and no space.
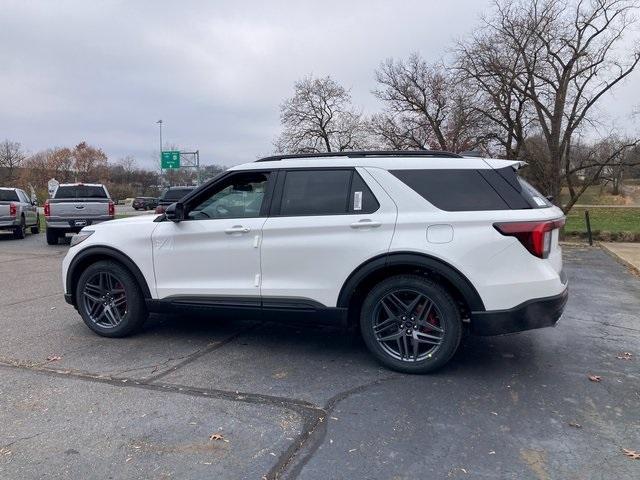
414,247
18,212
171,195
74,206
144,203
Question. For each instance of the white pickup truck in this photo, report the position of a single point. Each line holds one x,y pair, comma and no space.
76,205
18,212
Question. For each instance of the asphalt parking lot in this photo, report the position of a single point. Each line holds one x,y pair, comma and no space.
310,403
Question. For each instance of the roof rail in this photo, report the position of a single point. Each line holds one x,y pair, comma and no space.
364,153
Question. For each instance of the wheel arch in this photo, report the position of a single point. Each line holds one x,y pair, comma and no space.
91,255
378,268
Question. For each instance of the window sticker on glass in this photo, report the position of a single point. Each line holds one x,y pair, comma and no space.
357,200
540,202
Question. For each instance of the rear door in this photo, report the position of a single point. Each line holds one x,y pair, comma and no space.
323,224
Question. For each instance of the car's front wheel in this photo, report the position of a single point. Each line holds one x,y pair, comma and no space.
411,324
109,300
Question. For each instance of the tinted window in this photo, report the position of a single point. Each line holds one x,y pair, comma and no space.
8,196
80,191
362,199
239,196
175,194
453,190
316,192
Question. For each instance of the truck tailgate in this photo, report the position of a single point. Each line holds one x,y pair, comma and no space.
78,208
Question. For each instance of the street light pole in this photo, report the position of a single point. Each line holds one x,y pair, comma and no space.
159,122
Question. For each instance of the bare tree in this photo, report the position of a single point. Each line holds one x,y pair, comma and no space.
320,118
11,157
425,103
491,69
568,57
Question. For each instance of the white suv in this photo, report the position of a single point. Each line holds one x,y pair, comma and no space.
413,247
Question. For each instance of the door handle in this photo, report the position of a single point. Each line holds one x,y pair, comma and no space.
366,223
237,229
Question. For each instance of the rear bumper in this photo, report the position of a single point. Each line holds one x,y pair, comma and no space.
9,223
537,313
69,225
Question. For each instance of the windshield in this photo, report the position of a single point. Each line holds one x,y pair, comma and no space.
8,196
80,191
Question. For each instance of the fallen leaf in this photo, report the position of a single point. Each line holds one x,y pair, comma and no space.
625,356
352,450
218,436
53,358
632,454
595,378
575,425
5,451
128,460
492,452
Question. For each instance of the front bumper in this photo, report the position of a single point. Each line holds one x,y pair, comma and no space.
537,313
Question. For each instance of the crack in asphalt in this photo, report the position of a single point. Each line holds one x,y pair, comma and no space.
318,434
196,355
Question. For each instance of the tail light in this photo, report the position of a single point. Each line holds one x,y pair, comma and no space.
112,209
13,210
47,209
534,236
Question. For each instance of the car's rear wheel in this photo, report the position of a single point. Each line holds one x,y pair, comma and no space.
20,231
411,324
109,300
52,237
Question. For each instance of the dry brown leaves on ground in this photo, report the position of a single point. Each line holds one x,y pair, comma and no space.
218,436
595,378
625,356
632,454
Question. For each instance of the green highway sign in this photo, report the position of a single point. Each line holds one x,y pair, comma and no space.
170,159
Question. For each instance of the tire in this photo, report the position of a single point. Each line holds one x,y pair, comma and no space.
110,281
52,237
35,230
434,313
21,231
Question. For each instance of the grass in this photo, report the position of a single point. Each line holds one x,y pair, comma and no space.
604,219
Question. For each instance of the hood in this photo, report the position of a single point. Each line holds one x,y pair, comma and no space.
135,219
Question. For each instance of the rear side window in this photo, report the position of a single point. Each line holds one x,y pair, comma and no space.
473,190
80,191
453,190
8,196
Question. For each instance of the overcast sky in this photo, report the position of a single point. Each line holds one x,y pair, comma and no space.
215,72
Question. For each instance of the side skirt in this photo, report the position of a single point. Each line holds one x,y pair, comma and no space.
281,309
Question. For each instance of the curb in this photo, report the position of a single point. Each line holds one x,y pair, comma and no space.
634,268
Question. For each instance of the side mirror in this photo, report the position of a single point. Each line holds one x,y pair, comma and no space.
175,212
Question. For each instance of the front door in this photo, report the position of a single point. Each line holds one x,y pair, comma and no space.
215,251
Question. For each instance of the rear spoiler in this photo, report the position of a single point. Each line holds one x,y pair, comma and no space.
496,163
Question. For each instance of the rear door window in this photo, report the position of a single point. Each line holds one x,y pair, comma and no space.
316,192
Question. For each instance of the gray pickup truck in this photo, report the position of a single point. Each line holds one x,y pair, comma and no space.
76,205
18,212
